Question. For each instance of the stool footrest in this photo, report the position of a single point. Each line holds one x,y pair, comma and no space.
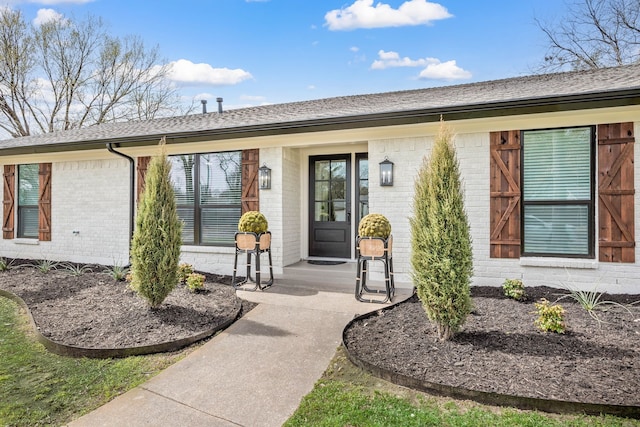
361,281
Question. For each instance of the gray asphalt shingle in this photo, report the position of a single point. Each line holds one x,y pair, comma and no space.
537,87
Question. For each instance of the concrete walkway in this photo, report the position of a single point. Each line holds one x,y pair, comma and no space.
253,374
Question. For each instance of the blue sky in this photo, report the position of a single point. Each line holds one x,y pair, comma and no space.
253,52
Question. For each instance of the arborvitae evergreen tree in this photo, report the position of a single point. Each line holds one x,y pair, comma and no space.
441,255
155,248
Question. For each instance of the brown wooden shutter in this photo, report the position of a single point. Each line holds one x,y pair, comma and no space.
505,194
616,237
8,201
44,203
143,164
250,193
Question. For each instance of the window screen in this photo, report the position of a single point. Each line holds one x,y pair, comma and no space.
557,192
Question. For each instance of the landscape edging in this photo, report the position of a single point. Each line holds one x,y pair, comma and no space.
105,353
484,397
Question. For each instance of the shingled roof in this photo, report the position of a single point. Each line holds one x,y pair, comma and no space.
519,95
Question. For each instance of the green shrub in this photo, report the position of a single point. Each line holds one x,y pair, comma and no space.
514,288
591,301
550,317
441,256
5,264
184,270
76,269
46,265
195,282
155,248
374,225
254,222
117,272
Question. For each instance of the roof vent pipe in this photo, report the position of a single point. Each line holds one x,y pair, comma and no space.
219,100
204,106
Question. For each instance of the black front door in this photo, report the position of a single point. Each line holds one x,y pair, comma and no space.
330,206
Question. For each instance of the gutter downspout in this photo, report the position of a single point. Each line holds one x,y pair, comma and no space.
132,175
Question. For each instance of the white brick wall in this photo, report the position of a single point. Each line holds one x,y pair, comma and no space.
396,202
473,155
292,201
218,260
271,202
90,198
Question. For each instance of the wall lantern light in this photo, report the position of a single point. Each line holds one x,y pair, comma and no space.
264,177
386,172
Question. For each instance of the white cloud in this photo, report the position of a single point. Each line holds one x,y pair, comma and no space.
363,14
434,68
204,95
392,59
45,96
185,71
444,71
45,91
357,57
47,15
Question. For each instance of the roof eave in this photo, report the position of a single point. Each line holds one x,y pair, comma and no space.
472,111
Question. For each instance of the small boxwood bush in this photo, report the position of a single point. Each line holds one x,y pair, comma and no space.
550,317
514,288
195,282
184,270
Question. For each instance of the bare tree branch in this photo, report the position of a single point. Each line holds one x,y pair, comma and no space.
593,34
69,74
16,62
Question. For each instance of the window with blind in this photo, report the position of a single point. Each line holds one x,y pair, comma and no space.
208,190
558,192
28,194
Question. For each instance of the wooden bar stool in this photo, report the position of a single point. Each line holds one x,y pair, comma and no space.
252,244
375,249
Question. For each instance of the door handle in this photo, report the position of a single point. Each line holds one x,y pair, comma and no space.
348,216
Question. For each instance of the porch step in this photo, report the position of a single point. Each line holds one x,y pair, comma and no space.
327,278
305,277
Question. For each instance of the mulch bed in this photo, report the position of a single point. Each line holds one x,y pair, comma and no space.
500,350
94,311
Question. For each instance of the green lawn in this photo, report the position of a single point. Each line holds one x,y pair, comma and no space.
41,388
347,396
